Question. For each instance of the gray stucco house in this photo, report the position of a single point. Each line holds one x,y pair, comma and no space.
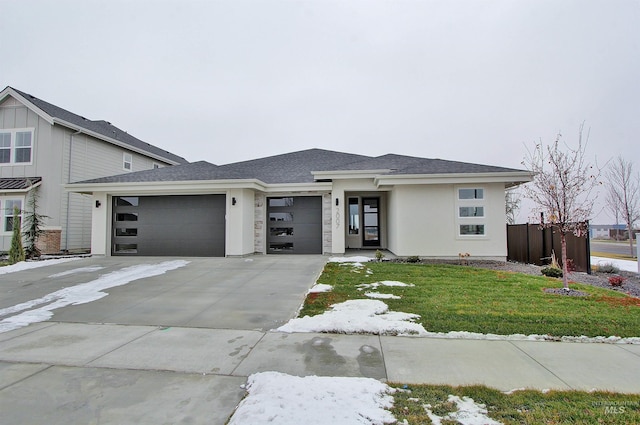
308,202
43,147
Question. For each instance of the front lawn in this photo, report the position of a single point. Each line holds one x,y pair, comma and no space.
462,298
520,407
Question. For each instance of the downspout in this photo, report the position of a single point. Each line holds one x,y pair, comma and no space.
66,229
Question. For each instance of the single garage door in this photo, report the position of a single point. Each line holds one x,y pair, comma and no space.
295,225
189,225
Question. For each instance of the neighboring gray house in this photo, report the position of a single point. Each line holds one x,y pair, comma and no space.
309,202
44,147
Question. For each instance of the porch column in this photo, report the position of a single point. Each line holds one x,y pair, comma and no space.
100,224
338,220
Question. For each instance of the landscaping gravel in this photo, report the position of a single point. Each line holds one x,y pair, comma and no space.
630,286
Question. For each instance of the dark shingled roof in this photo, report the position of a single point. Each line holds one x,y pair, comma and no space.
101,127
297,167
18,183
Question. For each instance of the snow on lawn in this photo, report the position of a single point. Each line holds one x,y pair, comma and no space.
320,287
357,316
376,285
277,398
28,265
630,266
380,296
355,259
79,294
374,317
468,413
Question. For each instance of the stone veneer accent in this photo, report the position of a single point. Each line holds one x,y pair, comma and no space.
259,225
327,239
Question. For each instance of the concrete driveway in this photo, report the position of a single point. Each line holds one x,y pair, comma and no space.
114,360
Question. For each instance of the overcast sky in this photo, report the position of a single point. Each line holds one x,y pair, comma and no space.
231,80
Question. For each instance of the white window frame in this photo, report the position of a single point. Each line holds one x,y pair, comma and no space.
127,159
13,132
4,212
473,220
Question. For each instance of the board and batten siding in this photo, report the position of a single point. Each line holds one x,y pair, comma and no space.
61,155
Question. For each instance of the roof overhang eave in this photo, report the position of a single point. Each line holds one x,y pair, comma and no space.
165,187
510,178
22,190
194,186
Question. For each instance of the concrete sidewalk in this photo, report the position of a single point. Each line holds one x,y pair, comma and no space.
61,373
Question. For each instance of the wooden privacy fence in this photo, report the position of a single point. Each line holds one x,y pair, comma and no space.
529,244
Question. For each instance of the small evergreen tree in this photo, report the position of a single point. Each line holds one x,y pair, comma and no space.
16,252
32,225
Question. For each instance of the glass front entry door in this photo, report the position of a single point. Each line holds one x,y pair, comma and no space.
371,221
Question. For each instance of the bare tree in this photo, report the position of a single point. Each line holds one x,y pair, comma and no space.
512,204
623,194
561,188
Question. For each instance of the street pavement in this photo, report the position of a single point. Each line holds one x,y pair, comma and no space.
178,347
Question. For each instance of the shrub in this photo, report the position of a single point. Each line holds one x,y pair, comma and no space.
379,255
552,272
16,252
608,268
616,280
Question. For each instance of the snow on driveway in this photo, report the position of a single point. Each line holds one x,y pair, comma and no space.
79,294
28,265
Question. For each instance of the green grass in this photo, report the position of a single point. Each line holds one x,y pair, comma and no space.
520,407
462,298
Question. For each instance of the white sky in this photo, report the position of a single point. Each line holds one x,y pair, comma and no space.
230,80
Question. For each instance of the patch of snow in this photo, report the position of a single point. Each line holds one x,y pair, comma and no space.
355,259
79,294
320,287
28,265
357,316
468,413
627,265
89,269
277,398
378,295
376,285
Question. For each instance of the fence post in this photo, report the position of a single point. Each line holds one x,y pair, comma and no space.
638,250
588,242
528,246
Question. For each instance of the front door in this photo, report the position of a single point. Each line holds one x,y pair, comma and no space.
371,221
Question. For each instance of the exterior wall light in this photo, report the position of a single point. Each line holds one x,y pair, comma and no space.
98,203
337,202
233,200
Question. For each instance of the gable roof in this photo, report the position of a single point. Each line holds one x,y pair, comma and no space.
100,129
299,167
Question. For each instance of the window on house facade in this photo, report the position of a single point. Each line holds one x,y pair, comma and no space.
354,216
470,212
156,165
127,161
16,146
9,219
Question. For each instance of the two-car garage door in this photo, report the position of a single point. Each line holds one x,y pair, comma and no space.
185,225
194,225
